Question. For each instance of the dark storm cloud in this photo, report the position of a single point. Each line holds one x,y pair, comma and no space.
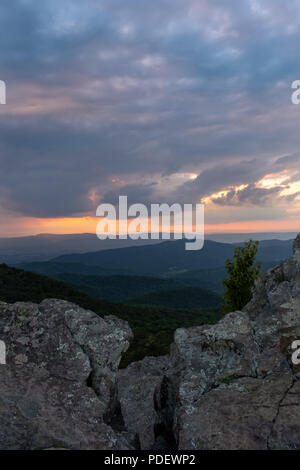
99,90
141,193
220,177
249,195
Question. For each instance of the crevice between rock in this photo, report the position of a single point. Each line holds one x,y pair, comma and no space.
286,392
164,406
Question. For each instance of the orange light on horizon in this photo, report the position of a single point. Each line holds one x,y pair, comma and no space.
60,226
255,226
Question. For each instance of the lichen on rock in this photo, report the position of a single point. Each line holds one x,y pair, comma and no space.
59,379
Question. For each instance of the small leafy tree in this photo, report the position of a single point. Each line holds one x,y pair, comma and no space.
242,273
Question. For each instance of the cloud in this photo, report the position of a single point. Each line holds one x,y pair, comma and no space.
250,195
139,92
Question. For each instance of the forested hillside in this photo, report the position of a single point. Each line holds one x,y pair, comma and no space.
153,327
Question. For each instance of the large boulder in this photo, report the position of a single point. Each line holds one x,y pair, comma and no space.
226,386
58,385
238,387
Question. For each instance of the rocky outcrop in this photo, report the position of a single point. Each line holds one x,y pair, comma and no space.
144,399
230,385
58,385
296,245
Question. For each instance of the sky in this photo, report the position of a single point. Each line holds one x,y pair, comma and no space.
177,101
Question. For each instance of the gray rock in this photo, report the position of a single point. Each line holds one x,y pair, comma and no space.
59,381
226,386
140,398
296,245
238,415
238,388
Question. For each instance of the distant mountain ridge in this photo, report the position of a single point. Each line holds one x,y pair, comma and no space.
171,256
44,247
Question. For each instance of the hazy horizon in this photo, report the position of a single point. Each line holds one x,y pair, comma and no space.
262,235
